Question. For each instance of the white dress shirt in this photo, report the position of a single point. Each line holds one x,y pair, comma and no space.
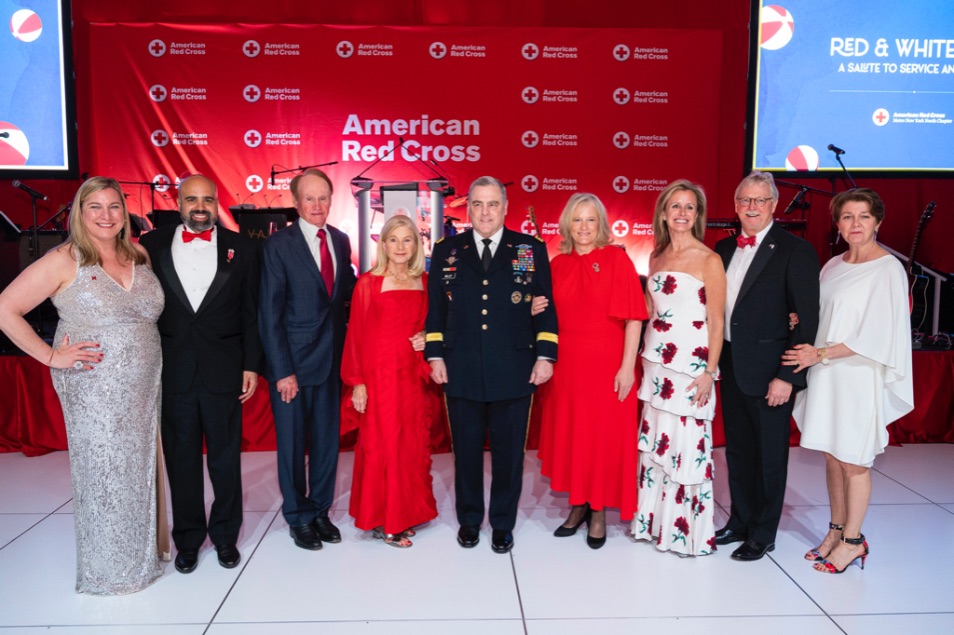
735,274
196,263
494,243
311,237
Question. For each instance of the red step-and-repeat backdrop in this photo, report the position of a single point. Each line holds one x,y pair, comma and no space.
616,112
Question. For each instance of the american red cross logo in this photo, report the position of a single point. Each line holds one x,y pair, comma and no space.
621,96
438,50
254,183
530,138
157,48
251,48
158,93
530,51
530,94
160,138
621,140
345,49
252,93
162,182
620,228
621,184
881,116
252,138
621,52
529,183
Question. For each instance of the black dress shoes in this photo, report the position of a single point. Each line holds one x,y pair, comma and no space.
752,550
305,537
468,536
726,536
325,529
229,556
186,560
502,541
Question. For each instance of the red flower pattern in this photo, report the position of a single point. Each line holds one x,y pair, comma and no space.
702,295
698,324
712,543
663,444
661,325
667,389
701,446
669,285
708,471
645,428
642,476
680,494
668,352
682,525
702,352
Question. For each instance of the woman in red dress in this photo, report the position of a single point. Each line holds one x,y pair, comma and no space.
589,434
391,489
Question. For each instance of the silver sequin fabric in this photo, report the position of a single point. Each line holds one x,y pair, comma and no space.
112,418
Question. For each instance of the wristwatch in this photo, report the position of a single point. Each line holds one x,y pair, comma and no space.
823,354
714,374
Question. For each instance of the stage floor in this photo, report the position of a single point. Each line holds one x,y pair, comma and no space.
544,586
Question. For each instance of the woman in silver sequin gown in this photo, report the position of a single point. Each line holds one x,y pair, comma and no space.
106,362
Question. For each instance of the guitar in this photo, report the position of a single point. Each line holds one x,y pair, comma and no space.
917,281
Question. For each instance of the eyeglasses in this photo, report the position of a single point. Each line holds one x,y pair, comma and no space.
759,202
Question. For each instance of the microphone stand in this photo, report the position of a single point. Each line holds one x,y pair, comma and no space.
152,195
35,238
300,168
845,170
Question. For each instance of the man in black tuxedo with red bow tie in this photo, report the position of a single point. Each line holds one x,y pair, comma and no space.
211,357
770,274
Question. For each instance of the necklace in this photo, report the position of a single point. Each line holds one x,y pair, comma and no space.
400,277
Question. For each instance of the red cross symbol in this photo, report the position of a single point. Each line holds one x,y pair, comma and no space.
252,139
157,48
161,180
622,96
530,95
252,93
437,50
530,51
620,228
530,139
881,116
254,183
621,140
159,138
621,53
251,49
344,49
620,184
158,93
529,183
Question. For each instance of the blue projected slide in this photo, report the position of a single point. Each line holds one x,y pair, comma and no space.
36,132
872,77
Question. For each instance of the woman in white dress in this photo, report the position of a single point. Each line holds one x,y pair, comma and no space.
860,372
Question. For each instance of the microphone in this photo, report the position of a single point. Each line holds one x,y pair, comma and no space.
796,202
29,190
4,135
84,176
833,148
273,175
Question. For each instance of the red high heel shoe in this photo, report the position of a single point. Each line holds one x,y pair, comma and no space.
827,567
815,555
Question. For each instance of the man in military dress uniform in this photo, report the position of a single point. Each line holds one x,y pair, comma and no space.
489,353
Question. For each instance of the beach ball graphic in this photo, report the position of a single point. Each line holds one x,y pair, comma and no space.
777,27
802,159
25,25
14,148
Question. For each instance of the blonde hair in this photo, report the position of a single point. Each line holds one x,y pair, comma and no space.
416,264
661,238
80,242
603,235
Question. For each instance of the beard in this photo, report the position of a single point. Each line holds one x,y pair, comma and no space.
198,226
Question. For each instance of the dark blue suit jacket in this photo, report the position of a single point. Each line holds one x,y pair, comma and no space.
480,323
302,328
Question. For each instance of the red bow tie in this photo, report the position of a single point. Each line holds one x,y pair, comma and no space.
188,237
744,241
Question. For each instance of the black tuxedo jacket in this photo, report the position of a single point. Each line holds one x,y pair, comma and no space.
782,279
480,323
220,339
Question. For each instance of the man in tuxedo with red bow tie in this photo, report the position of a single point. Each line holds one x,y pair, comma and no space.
770,274
211,357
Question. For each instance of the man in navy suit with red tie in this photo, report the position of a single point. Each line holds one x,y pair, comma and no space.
211,357
770,274
307,281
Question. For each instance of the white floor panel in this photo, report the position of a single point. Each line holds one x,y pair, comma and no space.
927,469
13,525
33,485
776,625
365,579
922,624
367,627
119,629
